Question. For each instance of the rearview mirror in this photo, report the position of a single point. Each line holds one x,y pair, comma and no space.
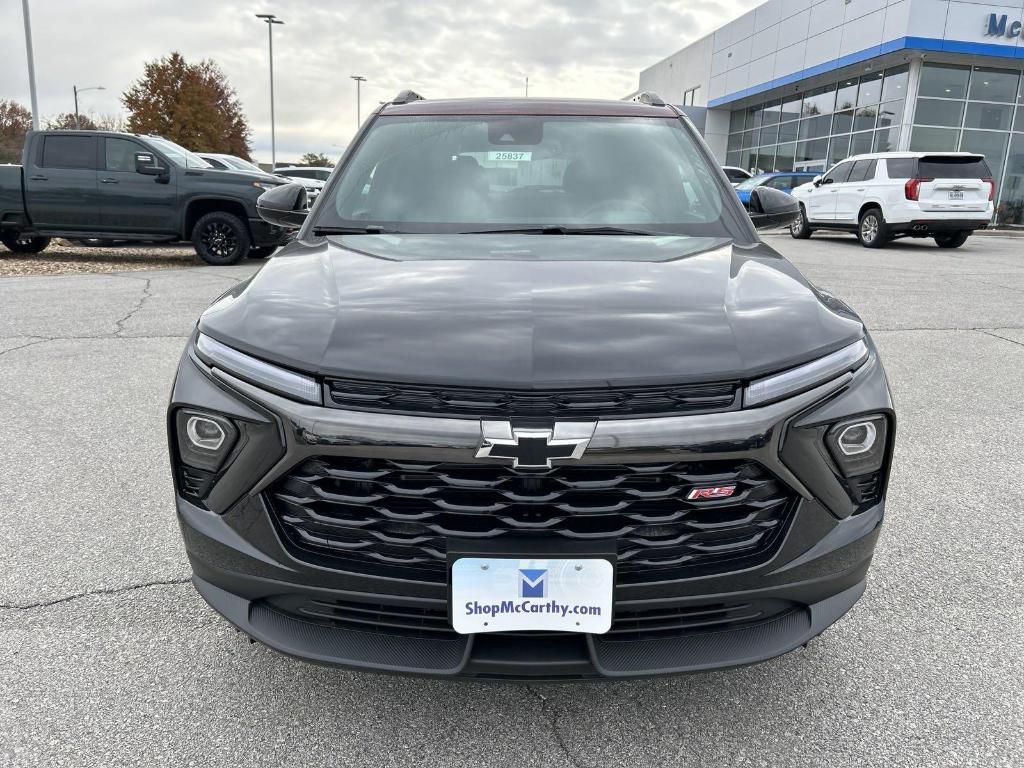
284,206
772,208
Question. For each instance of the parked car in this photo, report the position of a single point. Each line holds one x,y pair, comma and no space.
224,162
735,175
102,186
785,182
528,397
312,178
886,195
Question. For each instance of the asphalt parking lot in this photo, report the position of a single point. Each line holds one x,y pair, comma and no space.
111,659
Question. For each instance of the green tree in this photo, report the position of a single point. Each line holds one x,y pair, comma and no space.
191,104
317,159
15,122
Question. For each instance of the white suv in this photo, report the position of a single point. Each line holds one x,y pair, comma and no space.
885,195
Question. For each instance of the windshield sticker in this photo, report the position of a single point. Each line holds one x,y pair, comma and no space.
506,156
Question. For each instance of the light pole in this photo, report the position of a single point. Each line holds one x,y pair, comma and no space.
359,81
271,20
527,86
31,65
77,91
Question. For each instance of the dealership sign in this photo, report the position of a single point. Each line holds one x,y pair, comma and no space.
1001,26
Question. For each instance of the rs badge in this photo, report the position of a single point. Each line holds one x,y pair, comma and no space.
712,492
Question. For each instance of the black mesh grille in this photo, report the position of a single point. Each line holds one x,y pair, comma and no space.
433,622
503,404
379,516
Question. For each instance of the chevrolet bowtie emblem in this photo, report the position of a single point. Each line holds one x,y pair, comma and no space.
534,448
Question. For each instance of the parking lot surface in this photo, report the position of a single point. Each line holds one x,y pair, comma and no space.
111,659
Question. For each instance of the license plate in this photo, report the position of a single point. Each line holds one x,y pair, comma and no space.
956,195
505,594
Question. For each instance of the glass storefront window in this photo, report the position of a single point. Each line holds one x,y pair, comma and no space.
870,90
939,112
887,140
842,122
838,150
993,117
820,101
944,81
735,141
895,84
753,117
734,159
765,159
771,113
1018,124
770,134
788,132
860,143
846,98
791,109
815,127
934,139
785,155
990,144
1011,203
994,85
749,139
890,113
808,151
864,118
737,120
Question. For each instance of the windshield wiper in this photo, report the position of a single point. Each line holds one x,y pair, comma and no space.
369,229
559,229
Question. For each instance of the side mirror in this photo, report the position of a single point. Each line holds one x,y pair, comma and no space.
147,164
816,181
772,208
284,206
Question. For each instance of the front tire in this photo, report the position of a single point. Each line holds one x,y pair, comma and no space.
221,239
22,244
871,229
800,229
952,239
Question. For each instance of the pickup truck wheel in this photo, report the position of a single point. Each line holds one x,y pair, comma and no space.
20,244
952,239
800,229
871,230
221,239
261,253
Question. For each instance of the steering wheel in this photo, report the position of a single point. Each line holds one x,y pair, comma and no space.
620,206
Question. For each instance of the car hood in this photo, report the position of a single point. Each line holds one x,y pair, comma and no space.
530,310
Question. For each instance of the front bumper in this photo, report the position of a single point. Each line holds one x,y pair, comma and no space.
265,234
244,570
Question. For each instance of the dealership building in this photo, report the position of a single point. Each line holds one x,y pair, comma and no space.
802,84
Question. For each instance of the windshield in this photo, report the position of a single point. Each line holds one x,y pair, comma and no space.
180,156
754,181
478,173
241,165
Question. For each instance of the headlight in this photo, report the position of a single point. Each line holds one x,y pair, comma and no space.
204,439
804,377
858,444
256,371
264,185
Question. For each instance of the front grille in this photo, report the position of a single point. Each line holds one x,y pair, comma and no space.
605,402
392,517
432,621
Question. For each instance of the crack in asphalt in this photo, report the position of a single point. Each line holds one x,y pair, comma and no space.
38,340
146,294
997,336
551,712
94,592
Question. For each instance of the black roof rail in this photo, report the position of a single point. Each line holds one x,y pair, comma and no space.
404,97
651,98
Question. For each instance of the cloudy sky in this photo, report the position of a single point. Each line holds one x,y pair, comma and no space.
439,48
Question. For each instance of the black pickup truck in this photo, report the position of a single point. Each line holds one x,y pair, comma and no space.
99,185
